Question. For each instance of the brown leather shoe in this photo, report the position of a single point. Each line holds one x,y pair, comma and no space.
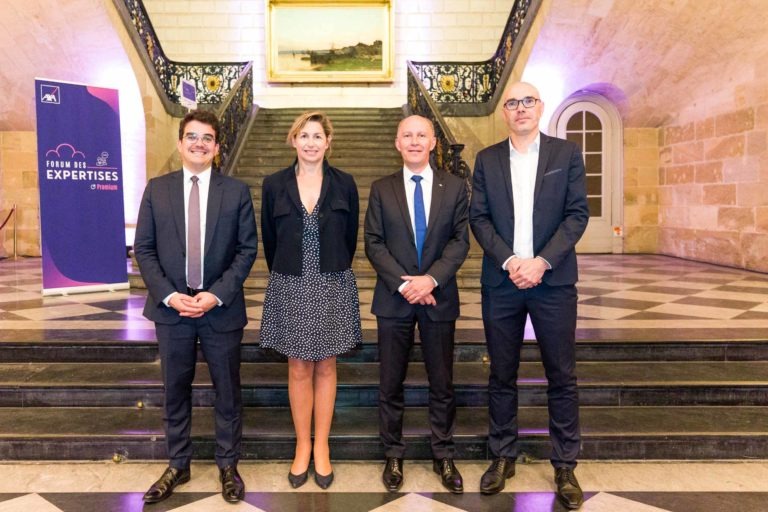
393,474
232,486
495,477
165,485
449,475
568,489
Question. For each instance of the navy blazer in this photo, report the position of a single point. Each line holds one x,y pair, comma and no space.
229,252
282,221
390,244
560,212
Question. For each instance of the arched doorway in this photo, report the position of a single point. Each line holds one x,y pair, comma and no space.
594,124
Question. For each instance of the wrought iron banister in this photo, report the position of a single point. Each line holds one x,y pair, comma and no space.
226,85
235,116
447,152
473,89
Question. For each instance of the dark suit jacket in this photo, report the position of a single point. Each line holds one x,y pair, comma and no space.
282,221
390,245
560,212
229,253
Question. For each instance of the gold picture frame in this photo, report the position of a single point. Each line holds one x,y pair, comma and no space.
330,41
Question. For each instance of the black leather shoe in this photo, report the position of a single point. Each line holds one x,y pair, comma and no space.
164,487
393,474
568,489
495,477
323,481
449,475
232,486
297,481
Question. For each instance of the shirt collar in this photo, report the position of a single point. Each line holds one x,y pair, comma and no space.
202,176
426,173
533,148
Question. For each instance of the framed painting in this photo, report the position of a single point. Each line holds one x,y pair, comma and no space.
329,41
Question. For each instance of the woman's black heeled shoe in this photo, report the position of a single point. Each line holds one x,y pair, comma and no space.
323,481
297,481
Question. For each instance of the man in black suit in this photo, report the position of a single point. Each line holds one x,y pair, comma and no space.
195,245
528,210
416,237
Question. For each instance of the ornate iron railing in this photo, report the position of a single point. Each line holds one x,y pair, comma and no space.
447,152
234,115
472,88
213,80
228,85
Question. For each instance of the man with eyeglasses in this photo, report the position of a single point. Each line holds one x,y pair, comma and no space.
528,210
195,245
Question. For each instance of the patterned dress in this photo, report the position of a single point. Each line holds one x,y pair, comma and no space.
315,315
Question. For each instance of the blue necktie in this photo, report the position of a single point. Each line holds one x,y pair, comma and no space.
420,217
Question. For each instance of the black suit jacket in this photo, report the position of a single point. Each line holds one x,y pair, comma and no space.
391,246
229,253
560,212
282,221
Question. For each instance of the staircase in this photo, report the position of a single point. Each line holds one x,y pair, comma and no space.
72,394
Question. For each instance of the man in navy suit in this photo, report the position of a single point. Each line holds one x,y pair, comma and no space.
528,210
416,238
195,245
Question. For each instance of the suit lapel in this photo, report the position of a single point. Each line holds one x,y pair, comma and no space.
541,169
438,192
398,190
176,194
506,171
215,194
292,187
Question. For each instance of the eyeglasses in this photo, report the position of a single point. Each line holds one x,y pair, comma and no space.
192,137
528,102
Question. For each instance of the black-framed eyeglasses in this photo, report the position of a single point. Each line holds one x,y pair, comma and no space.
528,102
193,137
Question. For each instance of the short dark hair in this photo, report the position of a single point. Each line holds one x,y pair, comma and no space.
201,116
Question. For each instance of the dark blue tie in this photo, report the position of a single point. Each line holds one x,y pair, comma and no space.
420,217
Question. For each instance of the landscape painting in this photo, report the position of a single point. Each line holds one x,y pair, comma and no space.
330,41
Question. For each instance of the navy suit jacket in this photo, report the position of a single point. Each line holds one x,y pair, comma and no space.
560,212
229,252
390,244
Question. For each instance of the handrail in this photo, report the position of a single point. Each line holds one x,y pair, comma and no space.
236,112
473,89
447,153
15,231
228,86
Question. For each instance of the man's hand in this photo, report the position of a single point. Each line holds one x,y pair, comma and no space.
193,307
526,273
418,290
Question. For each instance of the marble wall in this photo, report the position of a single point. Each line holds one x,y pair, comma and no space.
713,186
18,185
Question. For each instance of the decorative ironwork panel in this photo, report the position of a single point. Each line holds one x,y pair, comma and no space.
473,82
233,118
213,80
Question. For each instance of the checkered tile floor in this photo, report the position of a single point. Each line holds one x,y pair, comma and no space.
626,291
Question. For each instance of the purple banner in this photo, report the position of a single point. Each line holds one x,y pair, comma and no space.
81,187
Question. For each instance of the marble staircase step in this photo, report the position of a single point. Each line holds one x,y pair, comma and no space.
265,384
95,433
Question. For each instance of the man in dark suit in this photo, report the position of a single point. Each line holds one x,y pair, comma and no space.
195,245
416,238
528,210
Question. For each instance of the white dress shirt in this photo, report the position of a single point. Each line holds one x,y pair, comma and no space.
426,191
203,184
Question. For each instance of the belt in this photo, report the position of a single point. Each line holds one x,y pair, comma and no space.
193,291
